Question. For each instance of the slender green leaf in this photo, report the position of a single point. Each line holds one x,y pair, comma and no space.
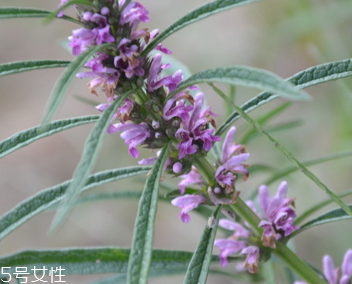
143,234
244,76
331,216
263,120
198,14
65,80
294,161
53,14
90,153
318,206
47,198
14,12
92,260
23,66
280,174
28,136
197,271
309,77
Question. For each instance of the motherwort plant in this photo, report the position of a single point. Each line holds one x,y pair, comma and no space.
125,64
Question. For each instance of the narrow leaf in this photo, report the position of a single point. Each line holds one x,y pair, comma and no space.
318,206
51,196
280,174
244,76
198,14
14,12
65,80
309,77
92,260
143,234
53,14
90,153
263,120
331,216
23,66
294,161
28,136
197,271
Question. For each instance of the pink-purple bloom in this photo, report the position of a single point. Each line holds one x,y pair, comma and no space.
191,178
278,215
231,162
187,203
237,244
331,273
133,134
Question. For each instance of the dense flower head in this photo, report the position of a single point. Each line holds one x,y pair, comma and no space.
278,215
331,273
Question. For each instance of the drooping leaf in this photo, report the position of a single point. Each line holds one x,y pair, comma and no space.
198,14
331,216
92,260
318,206
28,136
309,77
90,153
65,80
143,234
244,76
197,271
51,196
294,161
23,66
14,12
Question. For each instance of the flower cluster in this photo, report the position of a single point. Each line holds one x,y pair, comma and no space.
277,221
331,273
229,167
150,117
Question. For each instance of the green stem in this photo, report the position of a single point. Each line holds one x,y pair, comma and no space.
247,214
297,265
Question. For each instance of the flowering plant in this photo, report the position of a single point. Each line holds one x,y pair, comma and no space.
149,102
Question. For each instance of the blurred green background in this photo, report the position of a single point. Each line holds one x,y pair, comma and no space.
282,36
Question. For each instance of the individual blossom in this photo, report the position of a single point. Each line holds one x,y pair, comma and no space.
133,134
231,161
252,259
278,214
195,133
237,243
331,273
187,203
193,177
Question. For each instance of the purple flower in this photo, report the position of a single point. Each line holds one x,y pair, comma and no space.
237,228
80,40
176,107
186,146
252,259
231,162
61,13
133,134
133,14
227,247
187,203
279,216
193,177
154,80
331,273
195,132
